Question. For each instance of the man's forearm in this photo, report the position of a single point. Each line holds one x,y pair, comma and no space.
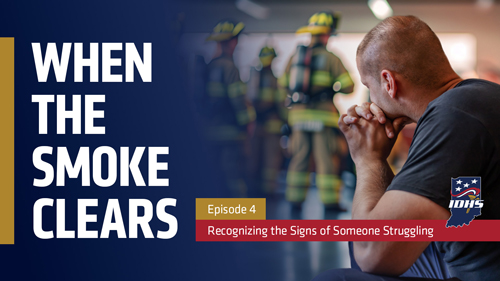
373,179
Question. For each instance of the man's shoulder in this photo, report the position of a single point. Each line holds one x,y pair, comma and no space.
470,99
469,93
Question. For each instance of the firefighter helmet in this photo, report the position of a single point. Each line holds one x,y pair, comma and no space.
321,23
266,56
225,30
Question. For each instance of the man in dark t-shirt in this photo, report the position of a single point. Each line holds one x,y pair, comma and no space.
459,135
402,63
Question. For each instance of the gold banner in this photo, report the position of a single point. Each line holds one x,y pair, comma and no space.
7,141
230,208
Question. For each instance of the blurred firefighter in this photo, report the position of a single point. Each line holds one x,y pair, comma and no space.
227,113
266,155
313,76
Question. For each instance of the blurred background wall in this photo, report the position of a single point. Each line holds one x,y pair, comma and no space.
468,29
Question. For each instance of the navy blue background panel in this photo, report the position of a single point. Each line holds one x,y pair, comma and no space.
136,114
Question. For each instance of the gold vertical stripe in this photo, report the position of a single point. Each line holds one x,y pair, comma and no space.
7,141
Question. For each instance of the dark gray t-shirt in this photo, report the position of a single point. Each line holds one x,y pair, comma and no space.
459,135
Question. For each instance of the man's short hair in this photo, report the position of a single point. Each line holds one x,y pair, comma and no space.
405,45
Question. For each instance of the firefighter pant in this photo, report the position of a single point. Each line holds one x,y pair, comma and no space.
321,144
229,158
265,160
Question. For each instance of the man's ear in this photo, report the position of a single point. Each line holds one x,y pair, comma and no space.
389,82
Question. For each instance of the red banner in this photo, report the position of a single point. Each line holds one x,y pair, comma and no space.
345,230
